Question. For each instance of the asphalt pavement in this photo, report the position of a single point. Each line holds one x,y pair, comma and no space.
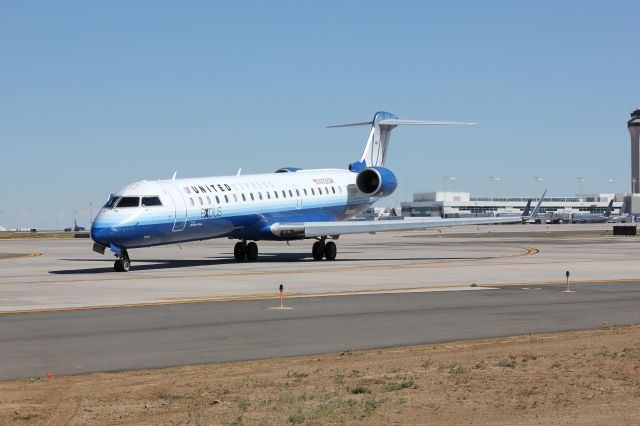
129,338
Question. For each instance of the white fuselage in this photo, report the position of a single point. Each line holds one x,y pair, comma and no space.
242,207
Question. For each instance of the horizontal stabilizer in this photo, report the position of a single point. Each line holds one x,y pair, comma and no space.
396,122
364,123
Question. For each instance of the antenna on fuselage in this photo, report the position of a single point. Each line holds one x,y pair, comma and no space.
174,175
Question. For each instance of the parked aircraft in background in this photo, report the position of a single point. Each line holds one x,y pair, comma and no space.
289,204
75,228
598,218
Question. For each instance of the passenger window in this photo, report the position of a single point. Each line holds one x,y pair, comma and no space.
276,194
226,198
290,193
129,202
313,192
340,189
320,191
297,192
244,198
251,194
260,195
305,192
268,195
326,190
192,203
235,198
284,194
217,199
208,200
200,198
333,189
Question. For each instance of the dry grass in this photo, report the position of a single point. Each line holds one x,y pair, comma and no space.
581,377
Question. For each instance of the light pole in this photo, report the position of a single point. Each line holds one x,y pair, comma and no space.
610,183
446,179
537,180
493,180
581,180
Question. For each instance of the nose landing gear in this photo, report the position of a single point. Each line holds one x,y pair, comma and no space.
123,264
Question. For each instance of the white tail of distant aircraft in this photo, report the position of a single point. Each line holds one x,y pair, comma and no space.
289,204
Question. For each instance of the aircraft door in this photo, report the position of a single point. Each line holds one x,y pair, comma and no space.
180,206
298,194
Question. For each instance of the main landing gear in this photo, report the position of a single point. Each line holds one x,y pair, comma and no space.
123,264
321,249
242,251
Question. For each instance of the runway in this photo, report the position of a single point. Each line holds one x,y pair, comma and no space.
63,309
115,339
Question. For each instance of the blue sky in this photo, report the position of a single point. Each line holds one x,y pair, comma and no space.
94,95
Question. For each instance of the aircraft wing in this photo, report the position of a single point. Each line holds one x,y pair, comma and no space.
318,229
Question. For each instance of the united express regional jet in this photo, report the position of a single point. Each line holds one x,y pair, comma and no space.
290,204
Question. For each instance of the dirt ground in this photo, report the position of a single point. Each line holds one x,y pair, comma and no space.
590,377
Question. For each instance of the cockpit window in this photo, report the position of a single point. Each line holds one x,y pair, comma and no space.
151,201
128,202
111,202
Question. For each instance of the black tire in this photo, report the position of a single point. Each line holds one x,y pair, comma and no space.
126,265
240,251
317,251
330,251
117,265
252,251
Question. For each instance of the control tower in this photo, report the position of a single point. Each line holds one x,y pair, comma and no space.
634,129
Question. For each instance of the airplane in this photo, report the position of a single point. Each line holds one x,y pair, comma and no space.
598,218
75,228
289,204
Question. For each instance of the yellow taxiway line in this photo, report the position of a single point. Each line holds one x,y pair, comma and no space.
525,251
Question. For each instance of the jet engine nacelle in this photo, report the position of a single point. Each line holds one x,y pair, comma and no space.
376,181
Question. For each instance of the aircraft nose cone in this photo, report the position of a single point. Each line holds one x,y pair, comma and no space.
100,234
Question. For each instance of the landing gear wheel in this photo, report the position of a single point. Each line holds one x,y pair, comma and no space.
330,251
126,265
252,251
317,251
240,250
122,265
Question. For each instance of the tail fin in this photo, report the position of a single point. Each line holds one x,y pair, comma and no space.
375,151
527,209
608,212
536,209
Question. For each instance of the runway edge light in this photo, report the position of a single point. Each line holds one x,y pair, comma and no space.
568,289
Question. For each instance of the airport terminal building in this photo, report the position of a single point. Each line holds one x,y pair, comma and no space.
462,204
